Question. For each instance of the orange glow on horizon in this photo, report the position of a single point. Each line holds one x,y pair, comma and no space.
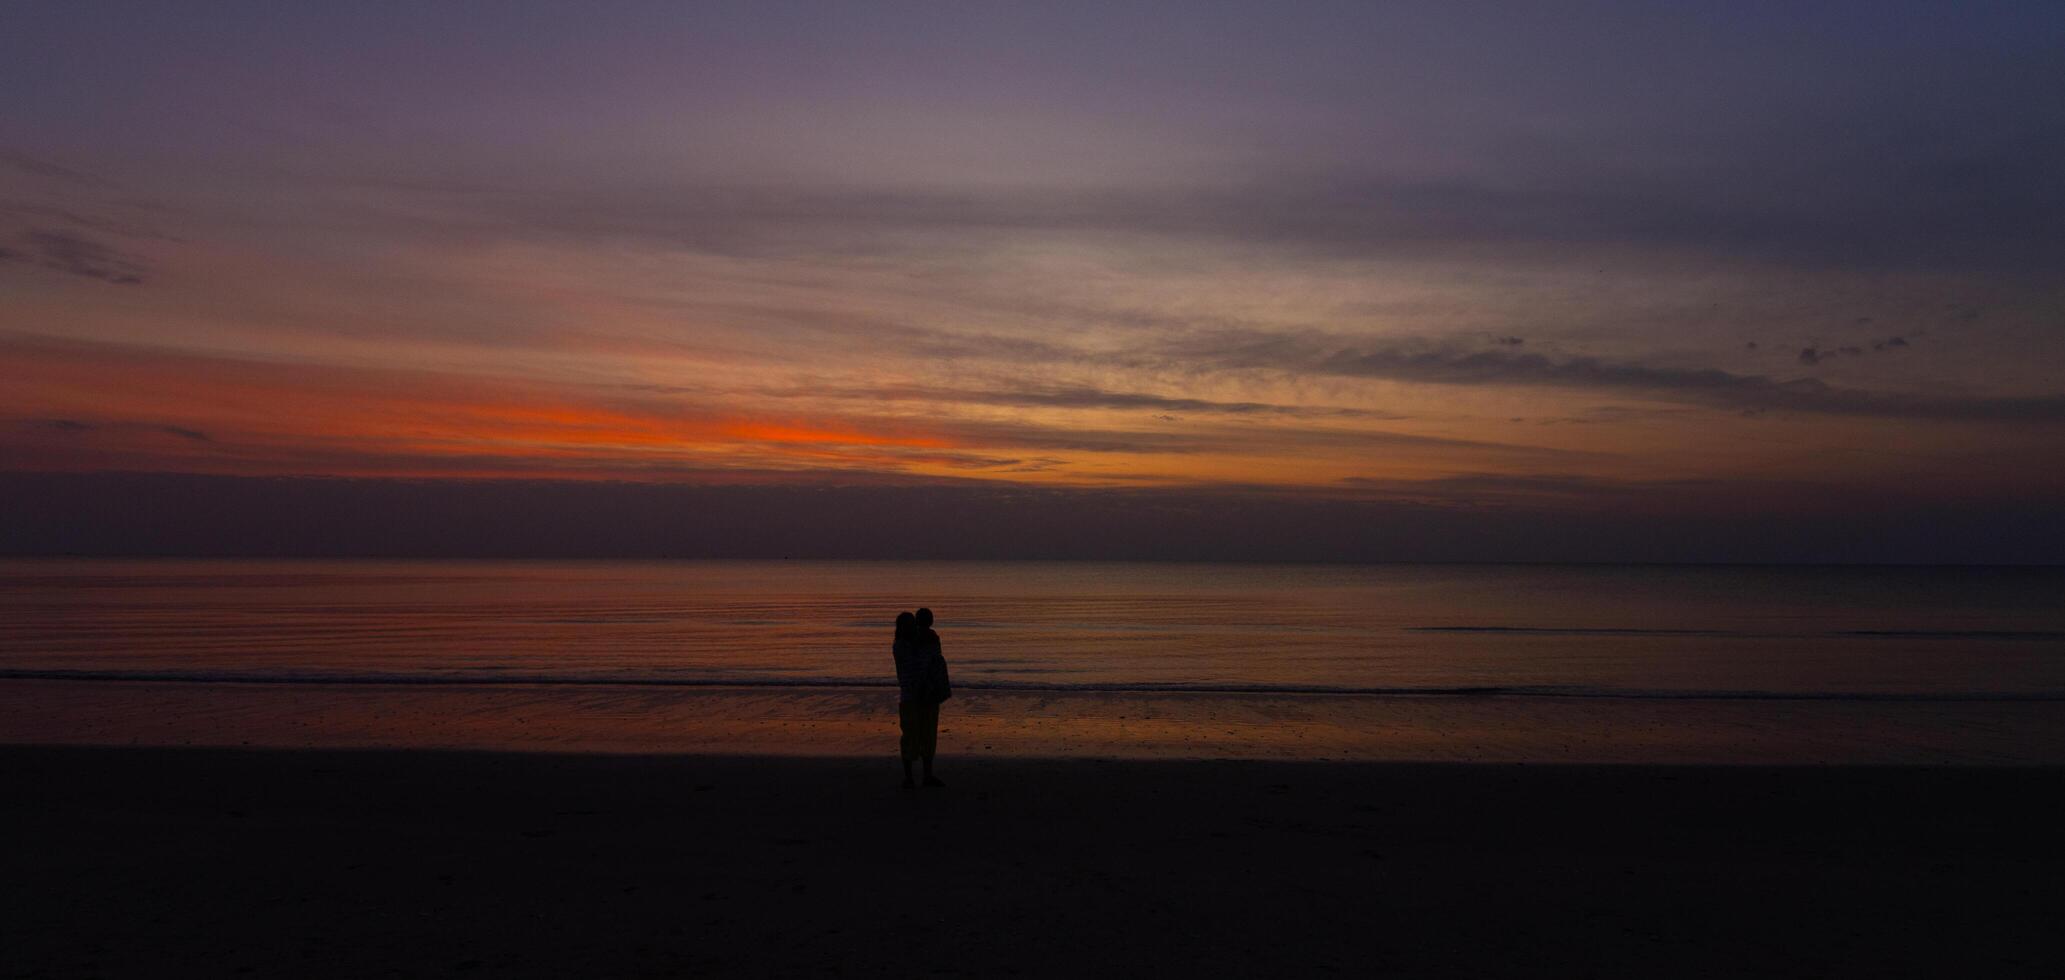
85,408
79,406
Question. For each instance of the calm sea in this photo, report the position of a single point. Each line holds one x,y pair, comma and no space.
1496,637
1572,630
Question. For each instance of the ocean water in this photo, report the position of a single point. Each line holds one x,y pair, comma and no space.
1957,664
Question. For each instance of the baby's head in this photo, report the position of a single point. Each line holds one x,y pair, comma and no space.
924,619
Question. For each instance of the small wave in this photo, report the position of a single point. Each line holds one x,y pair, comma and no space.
1575,630
1743,634
1958,634
1005,686
600,620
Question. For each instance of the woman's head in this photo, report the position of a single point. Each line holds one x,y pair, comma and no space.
905,622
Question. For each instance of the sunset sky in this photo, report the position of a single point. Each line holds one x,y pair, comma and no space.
1684,268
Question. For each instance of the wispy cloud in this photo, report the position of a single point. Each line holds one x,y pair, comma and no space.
1822,221
1813,355
83,427
1474,490
1306,354
37,167
70,253
1066,396
361,419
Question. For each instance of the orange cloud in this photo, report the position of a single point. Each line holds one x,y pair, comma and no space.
90,407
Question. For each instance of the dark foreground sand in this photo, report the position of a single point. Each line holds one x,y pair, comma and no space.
171,862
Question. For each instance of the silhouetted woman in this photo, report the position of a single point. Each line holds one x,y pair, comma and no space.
921,684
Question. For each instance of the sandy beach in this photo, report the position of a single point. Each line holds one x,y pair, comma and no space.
215,862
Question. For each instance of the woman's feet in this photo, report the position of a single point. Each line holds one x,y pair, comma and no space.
931,780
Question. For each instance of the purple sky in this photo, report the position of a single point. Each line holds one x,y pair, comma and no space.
1574,280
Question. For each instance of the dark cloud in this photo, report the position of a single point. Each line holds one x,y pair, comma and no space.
79,427
877,333
1505,489
1703,386
1811,356
1824,218
1462,519
1222,438
24,163
1609,415
126,227
958,461
70,253
1075,396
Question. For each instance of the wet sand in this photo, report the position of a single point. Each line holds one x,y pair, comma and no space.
861,721
215,862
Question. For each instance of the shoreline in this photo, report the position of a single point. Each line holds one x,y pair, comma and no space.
1120,688
208,862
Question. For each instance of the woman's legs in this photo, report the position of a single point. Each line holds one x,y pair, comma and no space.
909,720
931,743
920,724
